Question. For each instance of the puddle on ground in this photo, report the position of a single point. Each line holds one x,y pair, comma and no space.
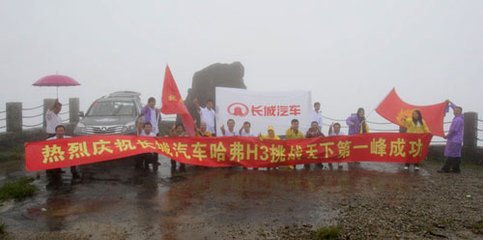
114,196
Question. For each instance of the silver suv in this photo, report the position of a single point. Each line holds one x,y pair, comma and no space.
115,113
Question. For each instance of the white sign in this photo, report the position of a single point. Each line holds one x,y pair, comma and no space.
262,109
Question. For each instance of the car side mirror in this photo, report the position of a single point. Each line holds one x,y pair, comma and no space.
81,114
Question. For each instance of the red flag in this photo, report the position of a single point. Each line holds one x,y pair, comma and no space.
397,111
173,103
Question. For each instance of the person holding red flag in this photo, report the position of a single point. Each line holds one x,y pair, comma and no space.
415,124
454,142
395,110
173,103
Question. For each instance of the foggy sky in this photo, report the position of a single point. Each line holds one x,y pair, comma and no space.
350,54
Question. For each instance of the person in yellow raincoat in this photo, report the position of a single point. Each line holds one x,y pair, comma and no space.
270,135
415,124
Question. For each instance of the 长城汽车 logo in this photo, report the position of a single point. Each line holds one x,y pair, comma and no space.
238,109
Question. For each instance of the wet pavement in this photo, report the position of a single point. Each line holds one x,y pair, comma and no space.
115,201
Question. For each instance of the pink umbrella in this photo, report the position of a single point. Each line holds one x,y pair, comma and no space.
56,81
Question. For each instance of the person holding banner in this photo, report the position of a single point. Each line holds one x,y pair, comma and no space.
314,131
334,130
357,123
454,142
245,130
148,158
177,131
152,115
270,134
202,131
54,174
415,124
231,128
294,133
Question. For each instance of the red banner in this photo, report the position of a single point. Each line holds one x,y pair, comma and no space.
229,151
396,111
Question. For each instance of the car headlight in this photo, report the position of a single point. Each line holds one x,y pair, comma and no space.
131,126
80,128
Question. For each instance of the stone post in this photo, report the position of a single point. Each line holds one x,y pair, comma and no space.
74,110
470,135
14,116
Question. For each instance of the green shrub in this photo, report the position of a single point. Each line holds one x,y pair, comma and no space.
327,233
3,229
18,190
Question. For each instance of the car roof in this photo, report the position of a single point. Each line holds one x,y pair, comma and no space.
121,95
124,94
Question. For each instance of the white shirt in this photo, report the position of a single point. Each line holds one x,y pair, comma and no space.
246,134
52,120
208,116
340,134
151,134
55,137
230,134
317,116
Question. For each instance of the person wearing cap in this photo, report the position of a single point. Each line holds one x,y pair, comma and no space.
52,119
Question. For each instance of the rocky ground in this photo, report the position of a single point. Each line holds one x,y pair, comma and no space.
370,201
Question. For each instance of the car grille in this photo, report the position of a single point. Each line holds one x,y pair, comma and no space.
104,130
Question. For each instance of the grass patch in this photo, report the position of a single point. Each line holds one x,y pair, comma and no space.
327,233
18,190
11,155
477,227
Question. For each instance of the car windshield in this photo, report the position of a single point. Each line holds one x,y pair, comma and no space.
112,108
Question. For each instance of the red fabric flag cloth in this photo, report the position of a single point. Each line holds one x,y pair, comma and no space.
173,103
396,111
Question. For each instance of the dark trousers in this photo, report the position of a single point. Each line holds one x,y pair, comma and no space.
182,166
55,174
452,164
143,160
